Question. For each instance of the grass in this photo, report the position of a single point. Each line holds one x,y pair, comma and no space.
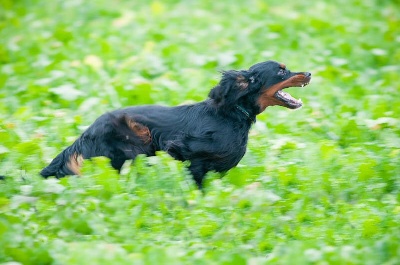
319,185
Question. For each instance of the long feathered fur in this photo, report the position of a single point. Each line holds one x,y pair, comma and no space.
211,134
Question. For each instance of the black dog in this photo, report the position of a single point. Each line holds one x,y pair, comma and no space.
211,134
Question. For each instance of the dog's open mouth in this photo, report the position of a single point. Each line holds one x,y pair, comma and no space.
274,94
288,100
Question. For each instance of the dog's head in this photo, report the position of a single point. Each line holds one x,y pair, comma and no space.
259,87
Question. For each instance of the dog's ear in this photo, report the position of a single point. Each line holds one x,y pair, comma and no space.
233,85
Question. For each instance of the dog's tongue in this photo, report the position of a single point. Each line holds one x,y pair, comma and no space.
290,101
287,96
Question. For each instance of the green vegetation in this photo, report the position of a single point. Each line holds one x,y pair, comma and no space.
319,185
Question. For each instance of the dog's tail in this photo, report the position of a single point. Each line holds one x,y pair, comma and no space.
68,162
116,137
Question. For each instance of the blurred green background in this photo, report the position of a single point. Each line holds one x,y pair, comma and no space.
319,185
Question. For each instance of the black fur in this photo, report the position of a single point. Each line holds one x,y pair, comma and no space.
211,134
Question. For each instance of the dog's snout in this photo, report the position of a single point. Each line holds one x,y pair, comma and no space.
307,74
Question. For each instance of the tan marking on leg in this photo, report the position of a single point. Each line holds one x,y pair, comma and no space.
140,130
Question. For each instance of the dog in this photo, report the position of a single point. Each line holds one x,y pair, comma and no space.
211,134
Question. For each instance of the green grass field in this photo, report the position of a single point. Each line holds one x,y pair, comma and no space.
319,185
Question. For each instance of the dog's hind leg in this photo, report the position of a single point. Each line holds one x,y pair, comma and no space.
130,138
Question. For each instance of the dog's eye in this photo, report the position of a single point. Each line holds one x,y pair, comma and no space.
281,71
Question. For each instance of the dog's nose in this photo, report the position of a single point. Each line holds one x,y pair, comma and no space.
307,74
